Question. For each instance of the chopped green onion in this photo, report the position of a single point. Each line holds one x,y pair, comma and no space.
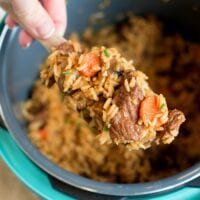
163,106
67,73
105,127
106,53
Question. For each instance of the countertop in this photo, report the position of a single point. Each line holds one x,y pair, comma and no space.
11,188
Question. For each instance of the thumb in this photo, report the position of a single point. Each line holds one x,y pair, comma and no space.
34,18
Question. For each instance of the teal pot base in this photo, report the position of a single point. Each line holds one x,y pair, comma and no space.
38,181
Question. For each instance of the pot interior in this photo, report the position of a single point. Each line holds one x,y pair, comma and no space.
20,67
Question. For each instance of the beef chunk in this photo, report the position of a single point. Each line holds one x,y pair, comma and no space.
124,125
66,47
171,128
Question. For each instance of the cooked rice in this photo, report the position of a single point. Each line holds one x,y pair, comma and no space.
74,146
126,84
108,73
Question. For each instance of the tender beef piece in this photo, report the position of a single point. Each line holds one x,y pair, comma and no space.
66,47
51,81
61,80
37,113
171,128
37,108
123,125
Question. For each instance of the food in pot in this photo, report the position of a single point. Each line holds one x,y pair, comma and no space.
119,101
172,63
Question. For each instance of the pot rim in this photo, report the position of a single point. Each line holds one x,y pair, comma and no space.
114,189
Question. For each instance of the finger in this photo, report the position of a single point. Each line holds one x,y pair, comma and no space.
25,39
34,18
10,22
57,11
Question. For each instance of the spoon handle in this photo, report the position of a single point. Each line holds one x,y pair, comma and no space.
54,41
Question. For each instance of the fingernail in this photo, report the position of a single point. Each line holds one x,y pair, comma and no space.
24,46
27,45
45,31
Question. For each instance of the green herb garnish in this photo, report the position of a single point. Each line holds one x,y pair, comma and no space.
163,106
67,73
105,127
106,53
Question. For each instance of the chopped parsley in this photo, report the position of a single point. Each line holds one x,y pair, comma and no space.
67,72
163,106
106,53
105,127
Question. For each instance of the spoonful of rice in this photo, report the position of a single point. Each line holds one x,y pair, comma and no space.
111,95
108,92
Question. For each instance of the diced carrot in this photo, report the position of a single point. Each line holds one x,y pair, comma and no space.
92,64
43,133
150,107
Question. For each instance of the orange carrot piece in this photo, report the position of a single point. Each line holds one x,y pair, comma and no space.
92,62
150,107
43,133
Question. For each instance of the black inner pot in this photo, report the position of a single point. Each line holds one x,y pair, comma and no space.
19,69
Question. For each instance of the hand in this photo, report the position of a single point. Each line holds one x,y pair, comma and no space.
41,18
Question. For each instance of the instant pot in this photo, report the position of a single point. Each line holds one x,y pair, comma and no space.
18,70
